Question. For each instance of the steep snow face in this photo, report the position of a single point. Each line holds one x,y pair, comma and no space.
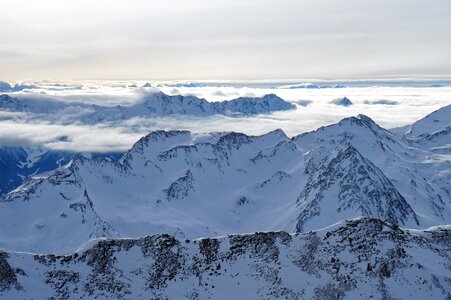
346,185
433,132
419,175
356,259
17,163
432,123
196,186
153,104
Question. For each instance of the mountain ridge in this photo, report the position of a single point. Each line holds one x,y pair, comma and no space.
165,182
335,262
155,103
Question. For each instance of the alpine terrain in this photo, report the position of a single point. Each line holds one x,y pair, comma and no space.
350,210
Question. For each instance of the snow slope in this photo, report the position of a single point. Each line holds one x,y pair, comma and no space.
356,259
434,122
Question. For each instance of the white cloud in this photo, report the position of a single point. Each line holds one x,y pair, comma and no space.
47,130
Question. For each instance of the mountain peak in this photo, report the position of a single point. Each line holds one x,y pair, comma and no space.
433,122
277,133
157,141
342,102
349,185
360,119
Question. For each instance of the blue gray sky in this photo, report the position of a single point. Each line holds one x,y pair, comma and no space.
224,40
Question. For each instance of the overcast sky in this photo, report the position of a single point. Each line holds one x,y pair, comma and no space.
219,39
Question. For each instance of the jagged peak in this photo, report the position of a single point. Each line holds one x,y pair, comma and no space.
163,134
276,133
271,97
266,100
165,97
234,138
158,135
266,97
154,137
357,185
6,98
241,138
342,102
365,118
359,121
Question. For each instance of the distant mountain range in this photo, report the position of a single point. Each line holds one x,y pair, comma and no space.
153,104
5,87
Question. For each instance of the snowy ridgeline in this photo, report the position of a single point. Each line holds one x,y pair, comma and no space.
153,104
433,131
193,186
356,259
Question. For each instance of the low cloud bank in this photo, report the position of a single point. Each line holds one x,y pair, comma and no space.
400,106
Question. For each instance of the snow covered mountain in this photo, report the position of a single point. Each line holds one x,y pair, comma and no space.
359,187
17,163
420,176
153,104
355,259
432,123
433,132
168,182
6,87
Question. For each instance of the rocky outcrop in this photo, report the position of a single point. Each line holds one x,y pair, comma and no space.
358,258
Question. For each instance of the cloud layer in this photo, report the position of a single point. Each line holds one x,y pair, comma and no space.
388,106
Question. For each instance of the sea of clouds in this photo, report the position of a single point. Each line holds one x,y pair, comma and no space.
390,106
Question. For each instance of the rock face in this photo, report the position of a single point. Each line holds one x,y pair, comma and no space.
360,189
359,258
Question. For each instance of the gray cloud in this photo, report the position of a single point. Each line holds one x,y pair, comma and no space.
382,101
